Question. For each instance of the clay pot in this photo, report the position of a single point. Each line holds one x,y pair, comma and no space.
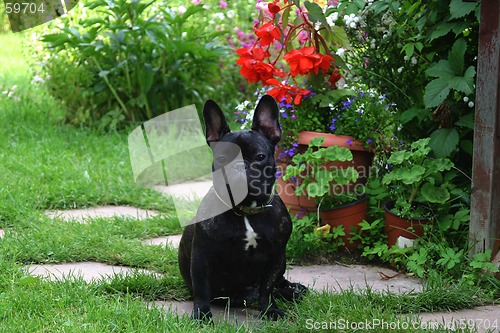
349,215
397,226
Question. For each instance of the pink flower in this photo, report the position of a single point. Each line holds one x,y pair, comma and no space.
222,4
195,2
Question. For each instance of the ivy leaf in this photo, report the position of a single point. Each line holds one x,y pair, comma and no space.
444,141
459,8
436,92
435,194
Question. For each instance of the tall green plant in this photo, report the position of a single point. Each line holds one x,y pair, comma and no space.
137,59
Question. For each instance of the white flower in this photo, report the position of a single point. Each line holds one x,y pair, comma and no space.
406,58
230,14
414,60
340,52
181,9
471,104
219,16
400,69
352,24
466,99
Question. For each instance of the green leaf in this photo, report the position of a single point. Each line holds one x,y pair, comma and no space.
339,36
435,194
146,78
410,175
461,84
317,142
456,56
397,157
315,13
441,30
412,113
444,141
467,146
442,69
459,8
408,49
466,121
336,153
285,17
436,92
346,175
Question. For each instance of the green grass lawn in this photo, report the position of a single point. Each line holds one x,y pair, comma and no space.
45,164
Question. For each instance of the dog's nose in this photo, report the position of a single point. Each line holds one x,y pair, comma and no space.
239,166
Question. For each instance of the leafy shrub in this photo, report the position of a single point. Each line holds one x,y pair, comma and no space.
117,61
422,54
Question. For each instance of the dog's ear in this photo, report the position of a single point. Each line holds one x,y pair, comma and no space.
215,122
266,119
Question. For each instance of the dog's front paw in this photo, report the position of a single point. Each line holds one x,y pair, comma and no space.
273,313
202,313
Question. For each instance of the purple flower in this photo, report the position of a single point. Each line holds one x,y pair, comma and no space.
278,174
284,115
362,94
294,179
295,144
223,4
349,142
293,116
369,141
356,120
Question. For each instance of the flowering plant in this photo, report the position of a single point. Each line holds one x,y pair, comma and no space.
294,51
300,65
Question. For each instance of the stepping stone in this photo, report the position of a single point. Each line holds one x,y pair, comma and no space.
484,319
336,278
89,271
220,313
101,212
188,191
170,241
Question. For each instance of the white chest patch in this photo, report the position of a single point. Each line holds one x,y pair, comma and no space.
250,236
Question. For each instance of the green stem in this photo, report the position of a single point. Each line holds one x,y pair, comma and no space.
113,91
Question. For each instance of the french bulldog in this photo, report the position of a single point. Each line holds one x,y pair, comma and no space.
239,254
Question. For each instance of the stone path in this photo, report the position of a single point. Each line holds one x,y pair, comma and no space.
333,278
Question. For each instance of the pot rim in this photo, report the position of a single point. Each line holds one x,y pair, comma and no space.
354,145
361,199
389,205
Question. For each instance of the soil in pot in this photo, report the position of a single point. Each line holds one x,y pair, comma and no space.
397,226
349,216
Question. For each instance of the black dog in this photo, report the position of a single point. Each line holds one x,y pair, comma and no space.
240,251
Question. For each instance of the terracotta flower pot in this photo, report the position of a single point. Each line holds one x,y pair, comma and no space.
362,159
349,215
297,204
397,226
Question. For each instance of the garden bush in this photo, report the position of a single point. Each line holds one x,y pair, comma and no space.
111,62
422,54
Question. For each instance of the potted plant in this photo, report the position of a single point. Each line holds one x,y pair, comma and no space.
325,178
417,188
296,57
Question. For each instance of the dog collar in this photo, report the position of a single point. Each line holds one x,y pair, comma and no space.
241,210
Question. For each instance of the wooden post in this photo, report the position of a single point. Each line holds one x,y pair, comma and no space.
485,201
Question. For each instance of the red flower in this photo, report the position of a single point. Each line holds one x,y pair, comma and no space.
267,33
252,66
335,77
284,92
304,60
273,8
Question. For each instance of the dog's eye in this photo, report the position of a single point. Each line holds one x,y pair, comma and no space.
221,159
260,157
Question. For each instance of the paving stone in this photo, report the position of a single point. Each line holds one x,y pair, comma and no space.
337,278
102,212
484,319
170,241
238,315
189,191
89,271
